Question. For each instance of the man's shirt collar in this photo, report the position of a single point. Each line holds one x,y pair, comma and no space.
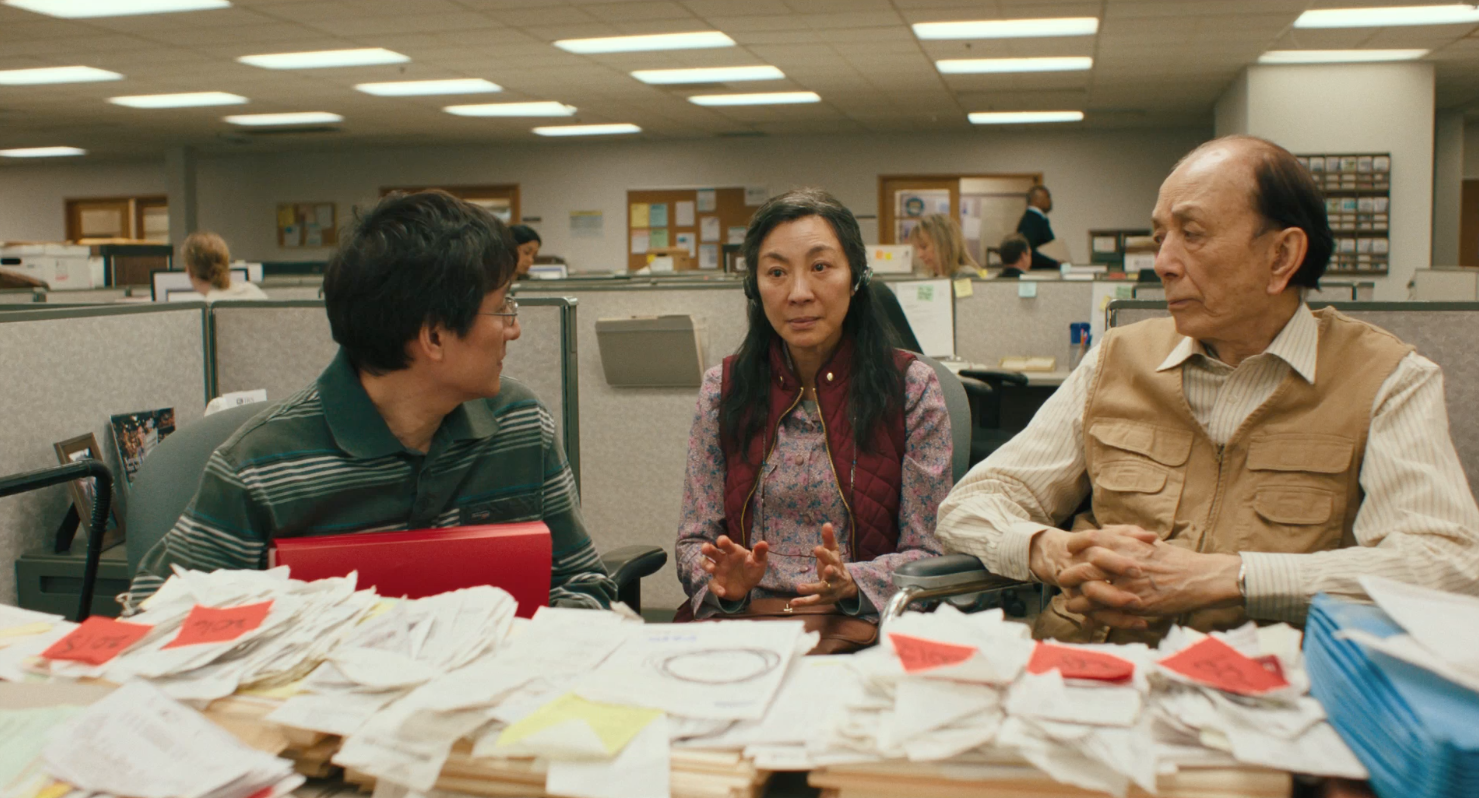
1037,211
1297,344
360,430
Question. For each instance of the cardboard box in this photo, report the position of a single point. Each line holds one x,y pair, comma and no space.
680,260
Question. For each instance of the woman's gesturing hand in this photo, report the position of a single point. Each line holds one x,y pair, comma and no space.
836,582
733,569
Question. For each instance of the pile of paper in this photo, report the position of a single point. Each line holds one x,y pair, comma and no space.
1400,680
203,636
138,742
974,689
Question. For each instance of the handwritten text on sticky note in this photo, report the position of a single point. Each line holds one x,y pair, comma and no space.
1217,664
97,640
918,654
212,625
1079,663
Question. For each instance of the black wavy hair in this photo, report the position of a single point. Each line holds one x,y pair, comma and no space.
523,234
876,387
412,260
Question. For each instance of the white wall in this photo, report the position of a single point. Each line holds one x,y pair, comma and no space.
1100,178
1348,108
1230,115
1448,186
33,197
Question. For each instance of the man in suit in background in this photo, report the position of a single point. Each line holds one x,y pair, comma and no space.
1034,225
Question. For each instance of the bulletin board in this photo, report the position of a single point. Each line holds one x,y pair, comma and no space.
644,232
307,224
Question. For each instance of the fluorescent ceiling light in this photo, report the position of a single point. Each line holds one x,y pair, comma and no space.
1337,56
1024,117
76,9
413,88
512,109
189,100
66,74
708,74
587,130
319,59
42,152
1008,28
978,66
1455,14
766,98
700,40
299,118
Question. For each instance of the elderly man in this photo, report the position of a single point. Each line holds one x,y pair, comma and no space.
1242,457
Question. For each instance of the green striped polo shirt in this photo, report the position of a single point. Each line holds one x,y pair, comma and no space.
323,462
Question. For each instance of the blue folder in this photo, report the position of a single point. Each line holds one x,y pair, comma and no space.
1416,732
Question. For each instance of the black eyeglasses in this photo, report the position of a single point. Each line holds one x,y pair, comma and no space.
510,310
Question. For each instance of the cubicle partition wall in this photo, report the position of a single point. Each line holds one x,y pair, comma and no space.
997,320
1441,331
634,441
63,373
1329,291
283,346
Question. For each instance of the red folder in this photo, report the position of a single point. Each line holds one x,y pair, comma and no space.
424,562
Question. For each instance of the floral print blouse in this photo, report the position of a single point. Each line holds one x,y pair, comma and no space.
798,493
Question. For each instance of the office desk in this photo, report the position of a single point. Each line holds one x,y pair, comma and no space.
1018,404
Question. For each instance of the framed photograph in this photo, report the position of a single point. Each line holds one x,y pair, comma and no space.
85,447
136,434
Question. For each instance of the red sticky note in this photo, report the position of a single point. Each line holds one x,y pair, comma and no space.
212,625
97,640
918,654
1079,663
1217,664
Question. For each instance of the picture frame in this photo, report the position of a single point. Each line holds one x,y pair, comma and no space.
136,434
85,447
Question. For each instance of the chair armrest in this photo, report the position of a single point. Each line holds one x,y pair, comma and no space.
996,378
933,573
630,563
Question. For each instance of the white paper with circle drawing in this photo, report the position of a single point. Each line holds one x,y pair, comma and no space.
727,670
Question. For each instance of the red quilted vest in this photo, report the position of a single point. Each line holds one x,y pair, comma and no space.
873,501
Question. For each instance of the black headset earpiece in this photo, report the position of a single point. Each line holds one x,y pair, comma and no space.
752,293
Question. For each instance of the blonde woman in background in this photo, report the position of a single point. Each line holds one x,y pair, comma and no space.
208,262
939,245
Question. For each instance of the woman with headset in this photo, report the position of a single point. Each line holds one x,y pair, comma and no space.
819,452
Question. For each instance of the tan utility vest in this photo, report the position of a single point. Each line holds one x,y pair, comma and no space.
1287,481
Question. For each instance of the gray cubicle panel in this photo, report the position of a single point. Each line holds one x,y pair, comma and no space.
994,321
284,345
1441,331
66,370
1329,291
634,441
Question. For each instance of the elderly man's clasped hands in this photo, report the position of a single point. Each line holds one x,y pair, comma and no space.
1124,576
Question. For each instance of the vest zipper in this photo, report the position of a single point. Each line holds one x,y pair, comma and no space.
1212,508
745,508
852,524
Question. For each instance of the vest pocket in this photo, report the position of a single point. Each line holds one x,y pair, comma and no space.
1319,454
1136,472
1294,519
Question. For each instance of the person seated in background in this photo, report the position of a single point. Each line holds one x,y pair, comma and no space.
1016,256
527,243
1242,455
819,452
411,426
1035,227
208,262
939,245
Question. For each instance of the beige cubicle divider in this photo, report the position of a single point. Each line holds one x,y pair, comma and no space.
66,371
1440,331
283,346
996,320
634,441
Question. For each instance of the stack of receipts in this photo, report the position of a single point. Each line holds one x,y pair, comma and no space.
203,636
1401,681
138,742
976,690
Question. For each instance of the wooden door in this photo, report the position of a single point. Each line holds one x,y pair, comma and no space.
1468,237
99,218
502,201
902,199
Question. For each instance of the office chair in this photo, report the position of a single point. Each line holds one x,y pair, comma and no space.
98,524
986,389
170,475
958,404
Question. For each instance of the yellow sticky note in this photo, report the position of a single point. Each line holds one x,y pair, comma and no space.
285,216
614,724
641,214
25,630
963,287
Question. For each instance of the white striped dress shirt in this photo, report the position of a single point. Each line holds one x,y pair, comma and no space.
1417,524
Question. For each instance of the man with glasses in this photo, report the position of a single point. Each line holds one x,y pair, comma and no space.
411,426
